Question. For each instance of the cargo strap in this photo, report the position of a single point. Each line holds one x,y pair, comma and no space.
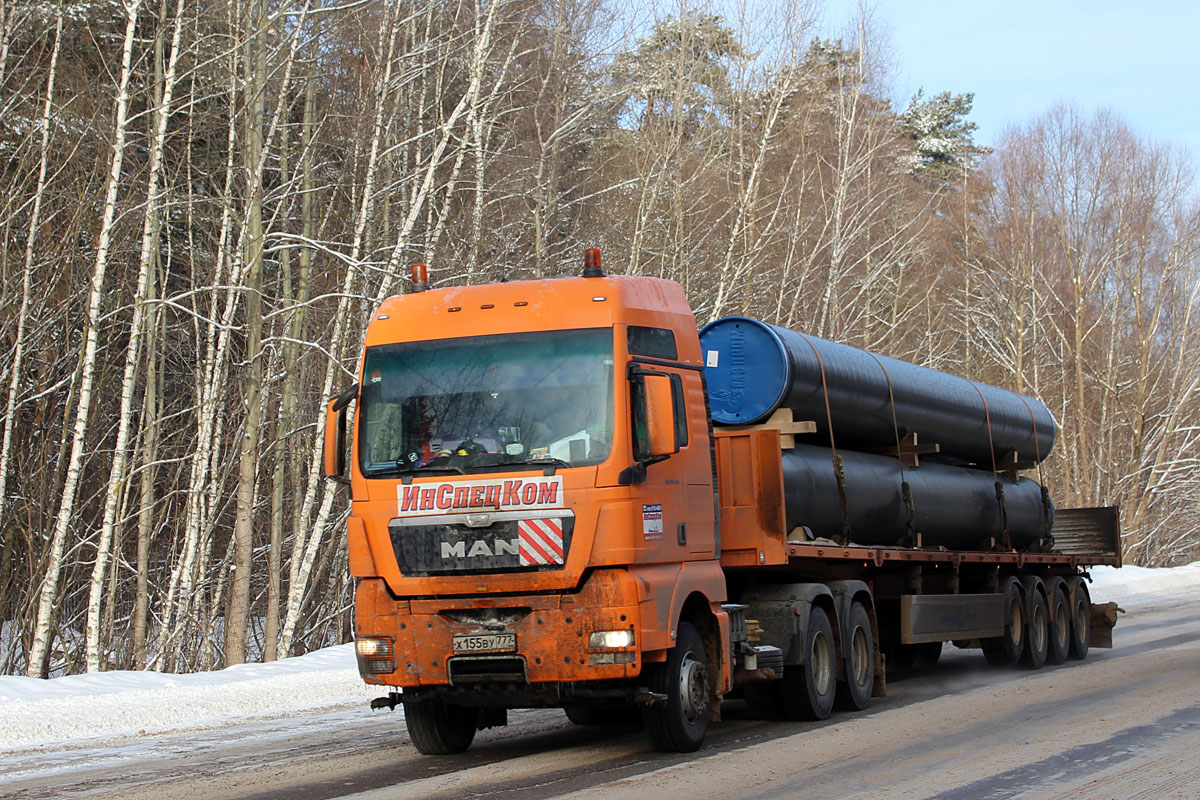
1005,539
839,471
1048,539
905,489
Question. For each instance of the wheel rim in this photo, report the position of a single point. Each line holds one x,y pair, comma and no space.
822,664
693,688
1083,612
1062,626
859,654
1016,622
1038,629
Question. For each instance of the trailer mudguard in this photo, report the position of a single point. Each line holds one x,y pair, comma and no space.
782,611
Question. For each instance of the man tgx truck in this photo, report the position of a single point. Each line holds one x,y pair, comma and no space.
563,496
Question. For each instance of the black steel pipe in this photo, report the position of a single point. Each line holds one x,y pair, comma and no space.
953,507
754,368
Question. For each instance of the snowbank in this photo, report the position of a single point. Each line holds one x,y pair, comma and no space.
1141,583
34,712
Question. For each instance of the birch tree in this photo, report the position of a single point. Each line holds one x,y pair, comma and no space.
41,637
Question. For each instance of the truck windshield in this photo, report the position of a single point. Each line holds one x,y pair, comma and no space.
470,404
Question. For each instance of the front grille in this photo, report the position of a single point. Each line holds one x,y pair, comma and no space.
506,545
484,669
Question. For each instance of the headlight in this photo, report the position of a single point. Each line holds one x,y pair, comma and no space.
610,640
374,655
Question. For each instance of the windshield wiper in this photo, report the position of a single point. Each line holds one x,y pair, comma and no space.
402,468
547,461
558,462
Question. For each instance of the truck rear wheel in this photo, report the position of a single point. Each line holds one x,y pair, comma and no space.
1037,640
1006,650
855,692
1081,623
1060,628
809,689
679,724
438,728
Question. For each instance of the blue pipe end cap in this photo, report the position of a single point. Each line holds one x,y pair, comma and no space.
747,370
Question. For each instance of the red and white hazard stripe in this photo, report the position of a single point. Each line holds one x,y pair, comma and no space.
541,541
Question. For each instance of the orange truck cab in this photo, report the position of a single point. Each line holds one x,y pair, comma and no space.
543,516
533,504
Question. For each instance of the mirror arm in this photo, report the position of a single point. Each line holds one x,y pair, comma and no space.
636,473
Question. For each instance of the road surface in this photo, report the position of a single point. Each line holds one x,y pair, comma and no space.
1123,724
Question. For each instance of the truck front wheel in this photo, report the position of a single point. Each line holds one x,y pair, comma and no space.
679,724
438,728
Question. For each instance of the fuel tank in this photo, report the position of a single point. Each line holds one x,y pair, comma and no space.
953,507
754,368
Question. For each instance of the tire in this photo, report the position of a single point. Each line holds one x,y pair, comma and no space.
1007,650
854,693
438,728
679,724
1060,628
1037,639
616,714
809,689
1081,623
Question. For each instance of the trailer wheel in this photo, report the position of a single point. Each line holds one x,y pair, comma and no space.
1037,641
1060,628
679,724
1006,650
438,728
1081,623
854,693
809,690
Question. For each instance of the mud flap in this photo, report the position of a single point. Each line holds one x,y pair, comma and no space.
1104,618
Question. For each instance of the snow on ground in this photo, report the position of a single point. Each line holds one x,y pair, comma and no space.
1141,584
38,713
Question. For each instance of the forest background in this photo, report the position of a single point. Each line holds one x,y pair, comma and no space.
201,202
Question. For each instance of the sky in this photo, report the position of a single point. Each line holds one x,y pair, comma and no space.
1020,57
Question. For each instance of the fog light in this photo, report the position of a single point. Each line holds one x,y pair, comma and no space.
610,640
374,655
597,659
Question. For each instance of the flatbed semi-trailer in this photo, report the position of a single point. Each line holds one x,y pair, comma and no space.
546,512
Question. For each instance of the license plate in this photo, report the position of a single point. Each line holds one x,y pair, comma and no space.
486,643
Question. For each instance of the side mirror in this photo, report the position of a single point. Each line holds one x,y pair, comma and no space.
660,416
335,435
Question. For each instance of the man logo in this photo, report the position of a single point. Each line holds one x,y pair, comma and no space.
480,548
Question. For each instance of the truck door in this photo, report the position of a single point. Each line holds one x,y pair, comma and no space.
676,497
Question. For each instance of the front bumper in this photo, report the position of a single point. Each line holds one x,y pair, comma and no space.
552,635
